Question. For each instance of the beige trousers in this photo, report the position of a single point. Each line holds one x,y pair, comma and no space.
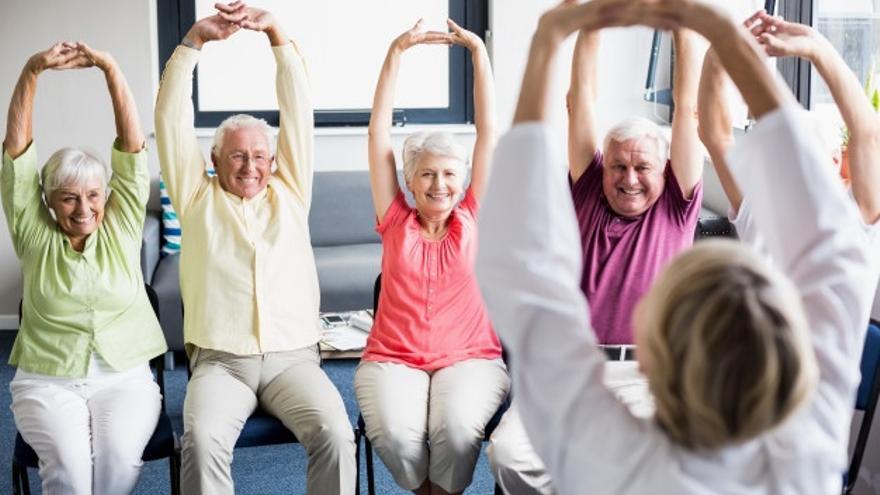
516,466
225,389
430,425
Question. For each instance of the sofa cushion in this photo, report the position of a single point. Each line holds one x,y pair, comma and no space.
347,274
342,209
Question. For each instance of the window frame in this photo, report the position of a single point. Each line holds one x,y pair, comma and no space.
175,17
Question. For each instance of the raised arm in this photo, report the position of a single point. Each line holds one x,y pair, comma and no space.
716,125
581,102
685,152
180,156
781,39
295,155
383,171
19,119
484,106
125,114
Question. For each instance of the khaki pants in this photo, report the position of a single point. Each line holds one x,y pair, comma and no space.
430,425
516,466
225,389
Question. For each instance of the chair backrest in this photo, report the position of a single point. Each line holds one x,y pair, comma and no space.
866,400
342,210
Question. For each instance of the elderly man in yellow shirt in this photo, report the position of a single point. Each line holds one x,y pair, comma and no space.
247,270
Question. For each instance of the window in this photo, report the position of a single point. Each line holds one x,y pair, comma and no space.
853,28
344,43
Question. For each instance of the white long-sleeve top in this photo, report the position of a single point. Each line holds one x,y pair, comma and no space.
529,268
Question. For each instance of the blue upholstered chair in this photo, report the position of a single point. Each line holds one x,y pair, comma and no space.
163,444
866,401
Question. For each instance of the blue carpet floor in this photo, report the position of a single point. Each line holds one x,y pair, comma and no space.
260,470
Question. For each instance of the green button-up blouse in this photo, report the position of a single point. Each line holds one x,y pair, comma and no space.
78,303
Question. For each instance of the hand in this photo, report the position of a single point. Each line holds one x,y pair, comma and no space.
95,58
463,37
557,23
60,56
211,28
780,38
415,36
246,17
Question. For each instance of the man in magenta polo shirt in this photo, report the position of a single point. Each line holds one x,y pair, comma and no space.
637,200
638,197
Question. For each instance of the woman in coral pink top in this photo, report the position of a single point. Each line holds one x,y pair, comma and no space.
432,372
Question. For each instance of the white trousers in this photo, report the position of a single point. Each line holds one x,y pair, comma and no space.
430,425
516,466
89,433
226,388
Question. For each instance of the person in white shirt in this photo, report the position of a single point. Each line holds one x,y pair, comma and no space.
780,38
753,366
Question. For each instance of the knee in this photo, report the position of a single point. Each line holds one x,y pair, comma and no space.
501,453
203,442
457,432
398,441
331,433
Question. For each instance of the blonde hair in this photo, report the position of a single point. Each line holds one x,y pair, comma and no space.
73,166
726,346
432,143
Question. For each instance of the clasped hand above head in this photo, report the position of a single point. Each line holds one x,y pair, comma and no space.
70,55
232,17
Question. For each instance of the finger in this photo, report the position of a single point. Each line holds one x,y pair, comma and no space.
77,62
418,25
453,26
754,18
248,24
229,8
235,17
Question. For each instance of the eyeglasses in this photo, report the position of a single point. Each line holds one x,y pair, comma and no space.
242,158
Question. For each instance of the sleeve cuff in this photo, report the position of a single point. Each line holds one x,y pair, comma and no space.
28,159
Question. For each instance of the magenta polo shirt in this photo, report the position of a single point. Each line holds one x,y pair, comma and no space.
621,255
431,313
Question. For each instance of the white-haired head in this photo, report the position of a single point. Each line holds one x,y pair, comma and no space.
240,121
74,167
431,143
638,128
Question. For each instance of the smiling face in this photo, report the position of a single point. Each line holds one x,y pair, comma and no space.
244,162
79,208
632,176
436,185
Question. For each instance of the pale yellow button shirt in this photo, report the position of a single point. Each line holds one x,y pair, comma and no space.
247,271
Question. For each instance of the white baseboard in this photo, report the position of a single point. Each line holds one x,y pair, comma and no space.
8,322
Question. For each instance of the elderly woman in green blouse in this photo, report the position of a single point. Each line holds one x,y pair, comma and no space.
83,396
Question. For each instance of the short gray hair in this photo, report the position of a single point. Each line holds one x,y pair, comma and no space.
73,166
241,121
431,143
638,128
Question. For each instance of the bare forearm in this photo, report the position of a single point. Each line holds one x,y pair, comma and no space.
856,110
534,94
581,101
276,35
19,119
128,126
739,56
484,93
383,99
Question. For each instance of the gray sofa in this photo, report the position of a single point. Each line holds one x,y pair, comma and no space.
347,250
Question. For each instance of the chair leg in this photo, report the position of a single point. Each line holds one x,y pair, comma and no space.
174,473
371,482
20,483
357,461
